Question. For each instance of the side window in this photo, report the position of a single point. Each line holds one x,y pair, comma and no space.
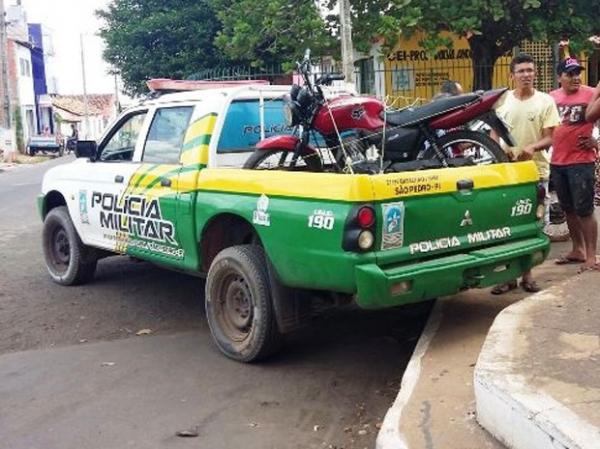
241,130
121,145
166,134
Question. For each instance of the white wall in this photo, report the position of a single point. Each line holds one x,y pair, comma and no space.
92,131
24,78
49,60
379,67
25,89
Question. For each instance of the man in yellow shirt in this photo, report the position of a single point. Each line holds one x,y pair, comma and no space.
532,116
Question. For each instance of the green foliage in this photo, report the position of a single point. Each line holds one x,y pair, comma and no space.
268,32
493,27
502,24
179,38
158,38
18,121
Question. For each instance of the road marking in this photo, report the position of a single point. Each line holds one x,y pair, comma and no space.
389,436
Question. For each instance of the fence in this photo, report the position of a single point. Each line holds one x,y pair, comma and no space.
401,83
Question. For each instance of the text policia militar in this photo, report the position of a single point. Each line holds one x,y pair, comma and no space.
135,215
453,242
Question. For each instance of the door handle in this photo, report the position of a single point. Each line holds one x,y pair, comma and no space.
119,178
165,182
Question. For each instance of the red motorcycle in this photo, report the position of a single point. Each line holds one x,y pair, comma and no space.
362,136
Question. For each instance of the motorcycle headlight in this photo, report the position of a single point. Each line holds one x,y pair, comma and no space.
305,98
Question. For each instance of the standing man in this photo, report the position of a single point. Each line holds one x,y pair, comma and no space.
592,114
532,117
72,140
573,164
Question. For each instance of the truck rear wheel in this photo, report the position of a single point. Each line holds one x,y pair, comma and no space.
239,307
68,260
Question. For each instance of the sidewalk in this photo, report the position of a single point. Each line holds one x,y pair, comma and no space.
537,380
533,382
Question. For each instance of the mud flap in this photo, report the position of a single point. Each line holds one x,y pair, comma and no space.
292,306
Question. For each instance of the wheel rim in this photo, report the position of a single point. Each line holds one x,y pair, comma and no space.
60,249
281,160
475,150
234,307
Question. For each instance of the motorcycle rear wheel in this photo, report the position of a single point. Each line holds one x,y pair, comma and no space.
281,159
465,143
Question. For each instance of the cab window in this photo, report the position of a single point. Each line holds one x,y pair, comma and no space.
121,144
241,129
166,135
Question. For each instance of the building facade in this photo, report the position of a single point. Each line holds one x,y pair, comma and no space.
20,75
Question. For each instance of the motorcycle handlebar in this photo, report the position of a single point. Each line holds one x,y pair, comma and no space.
327,78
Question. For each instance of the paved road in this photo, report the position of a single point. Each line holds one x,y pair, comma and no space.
331,386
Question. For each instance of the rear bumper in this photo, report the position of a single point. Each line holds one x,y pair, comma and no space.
44,147
392,286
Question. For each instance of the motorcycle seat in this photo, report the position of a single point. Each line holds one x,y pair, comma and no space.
411,116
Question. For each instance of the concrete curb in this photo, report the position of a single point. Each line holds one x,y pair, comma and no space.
508,407
389,436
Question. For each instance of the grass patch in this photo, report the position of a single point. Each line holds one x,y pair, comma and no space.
26,159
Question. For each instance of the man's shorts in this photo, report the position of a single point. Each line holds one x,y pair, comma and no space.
574,186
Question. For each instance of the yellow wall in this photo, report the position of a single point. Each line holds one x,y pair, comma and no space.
412,75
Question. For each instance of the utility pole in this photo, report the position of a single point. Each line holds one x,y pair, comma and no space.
117,104
346,37
4,92
85,98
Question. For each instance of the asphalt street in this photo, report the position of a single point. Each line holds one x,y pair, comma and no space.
73,372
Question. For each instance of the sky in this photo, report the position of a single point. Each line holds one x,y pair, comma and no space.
68,19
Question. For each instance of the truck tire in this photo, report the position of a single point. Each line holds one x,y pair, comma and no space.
486,148
239,307
68,260
281,159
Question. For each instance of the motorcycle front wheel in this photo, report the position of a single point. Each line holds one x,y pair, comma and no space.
281,159
477,146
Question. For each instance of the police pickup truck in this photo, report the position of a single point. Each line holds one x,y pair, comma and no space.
164,184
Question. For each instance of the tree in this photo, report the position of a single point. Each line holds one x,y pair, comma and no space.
158,38
18,122
270,32
492,27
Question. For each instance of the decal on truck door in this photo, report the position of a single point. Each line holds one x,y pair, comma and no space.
83,208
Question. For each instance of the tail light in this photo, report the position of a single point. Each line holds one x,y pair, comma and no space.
359,230
540,210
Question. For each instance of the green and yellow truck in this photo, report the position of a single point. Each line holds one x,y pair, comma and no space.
164,185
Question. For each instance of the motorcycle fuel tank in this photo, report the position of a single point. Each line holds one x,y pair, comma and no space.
349,113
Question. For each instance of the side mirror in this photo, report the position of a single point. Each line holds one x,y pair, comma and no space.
86,148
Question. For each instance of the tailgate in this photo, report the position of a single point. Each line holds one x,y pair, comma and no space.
446,211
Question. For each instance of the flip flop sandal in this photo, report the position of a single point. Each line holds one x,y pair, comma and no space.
530,287
504,288
565,260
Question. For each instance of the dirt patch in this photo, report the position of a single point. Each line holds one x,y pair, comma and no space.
22,159
26,159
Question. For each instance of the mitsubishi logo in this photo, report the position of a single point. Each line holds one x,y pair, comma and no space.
466,221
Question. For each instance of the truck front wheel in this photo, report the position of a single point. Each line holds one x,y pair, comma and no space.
239,307
68,260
